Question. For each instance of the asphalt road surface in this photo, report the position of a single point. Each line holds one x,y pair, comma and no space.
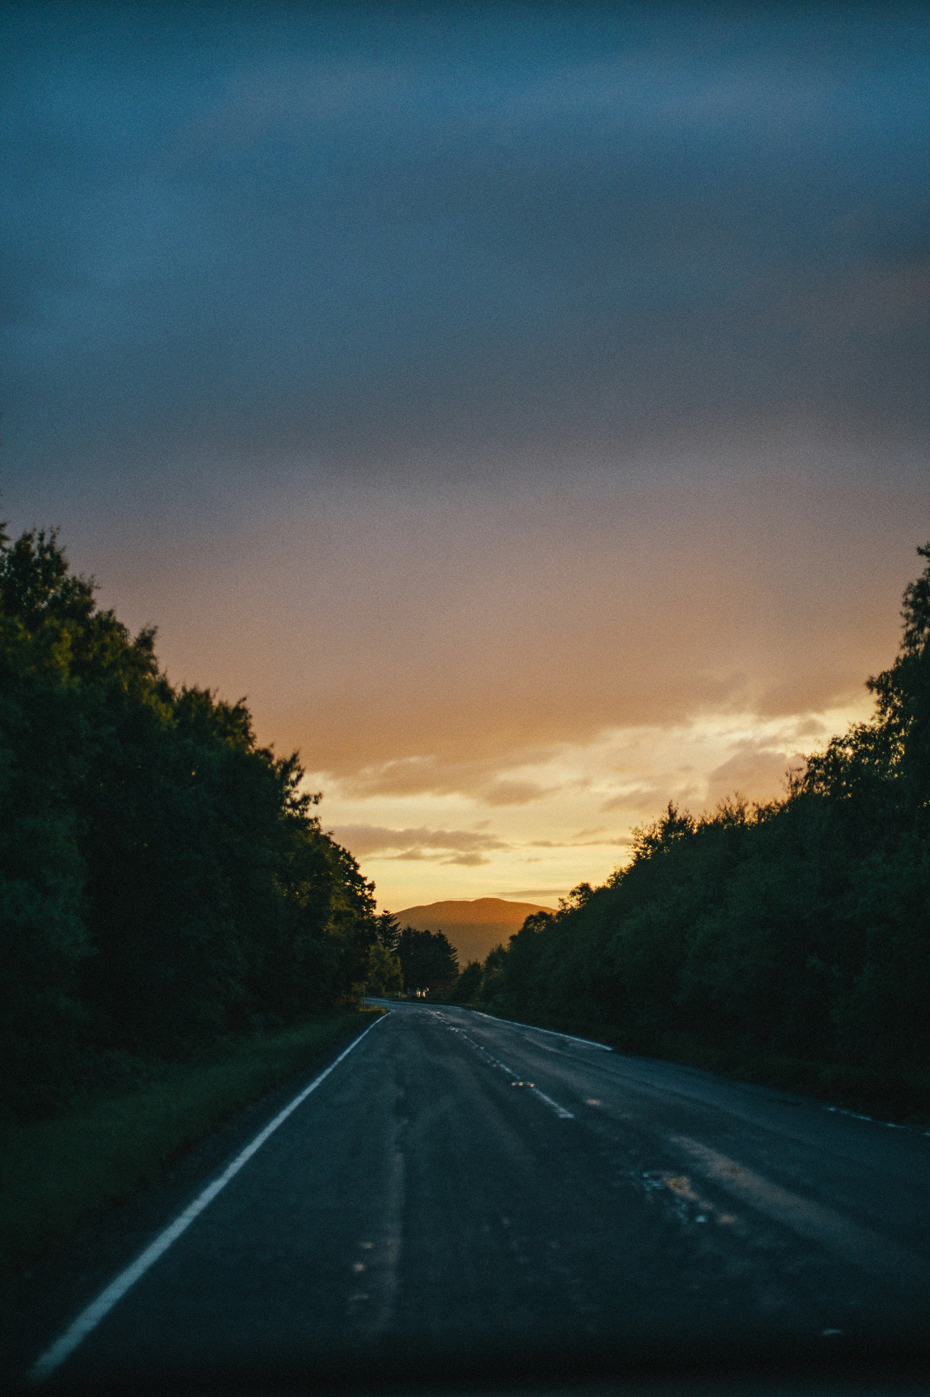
464,1187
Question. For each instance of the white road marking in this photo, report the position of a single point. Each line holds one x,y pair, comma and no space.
858,1116
496,1062
559,1110
90,1317
588,1042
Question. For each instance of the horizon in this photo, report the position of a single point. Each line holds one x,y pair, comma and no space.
466,902
525,411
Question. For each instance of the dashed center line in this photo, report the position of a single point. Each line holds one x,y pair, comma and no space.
559,1110
515,1080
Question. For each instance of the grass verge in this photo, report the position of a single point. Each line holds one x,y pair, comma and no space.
902,1095
54,1172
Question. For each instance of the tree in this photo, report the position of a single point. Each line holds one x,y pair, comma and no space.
468,985
387,929
384,975
163,878
903,694
428,959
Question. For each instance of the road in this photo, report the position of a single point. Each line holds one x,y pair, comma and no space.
466,1188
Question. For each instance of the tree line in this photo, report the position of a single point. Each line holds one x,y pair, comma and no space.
411,961
164,881
798,928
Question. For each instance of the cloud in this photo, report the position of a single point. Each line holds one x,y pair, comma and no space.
455,645
465,393
603,842
465,847
372,244
475,643
430,773
633,799
500,792
460,846
873,298
534,893
755,771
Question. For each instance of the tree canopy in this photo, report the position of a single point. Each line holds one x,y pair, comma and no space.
427,958
798,928
164,879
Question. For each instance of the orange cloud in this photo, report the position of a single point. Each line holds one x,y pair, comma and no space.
755,771
456,643
467,847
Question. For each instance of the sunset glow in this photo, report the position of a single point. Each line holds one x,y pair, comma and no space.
526,412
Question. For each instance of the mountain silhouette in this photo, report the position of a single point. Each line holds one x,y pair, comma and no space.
475,927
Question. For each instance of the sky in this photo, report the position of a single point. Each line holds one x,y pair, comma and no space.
525,407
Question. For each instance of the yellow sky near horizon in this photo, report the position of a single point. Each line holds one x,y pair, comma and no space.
494,686
579,828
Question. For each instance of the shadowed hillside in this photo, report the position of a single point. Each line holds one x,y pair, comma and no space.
474,928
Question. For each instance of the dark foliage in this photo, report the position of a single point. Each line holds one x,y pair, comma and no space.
797,929
163,881
383,972
467,987
428,959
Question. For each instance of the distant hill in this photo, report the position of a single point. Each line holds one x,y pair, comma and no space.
474,928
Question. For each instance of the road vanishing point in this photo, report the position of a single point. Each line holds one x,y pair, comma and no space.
458,1190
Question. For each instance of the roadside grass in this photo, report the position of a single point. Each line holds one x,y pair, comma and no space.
54,1172
901,1095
